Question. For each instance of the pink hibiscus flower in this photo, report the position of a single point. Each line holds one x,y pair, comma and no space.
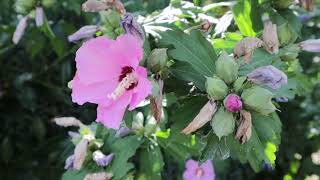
108,74
195,172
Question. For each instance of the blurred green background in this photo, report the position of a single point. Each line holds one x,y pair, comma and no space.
33,90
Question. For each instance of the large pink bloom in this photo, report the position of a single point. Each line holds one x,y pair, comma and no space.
108,74
195,172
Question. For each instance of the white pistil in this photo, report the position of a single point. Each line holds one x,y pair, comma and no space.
125,83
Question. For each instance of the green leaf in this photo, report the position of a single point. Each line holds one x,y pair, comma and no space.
215,149
191,48
73,174
223,123
123,149
185,72
151,162
242,16
263,143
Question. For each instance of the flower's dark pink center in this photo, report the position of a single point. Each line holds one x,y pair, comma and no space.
127,80
199,172
124,72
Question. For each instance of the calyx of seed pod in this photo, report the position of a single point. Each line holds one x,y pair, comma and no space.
216,88
227,68
246,47
204,116
245,127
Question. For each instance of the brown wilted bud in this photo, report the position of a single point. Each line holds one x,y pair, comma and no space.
98,176
246,47
244,129
205,27
67,121
204,116
94,6
307,4
156,103
270,37
80,153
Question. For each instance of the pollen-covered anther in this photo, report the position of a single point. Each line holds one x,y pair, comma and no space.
127,83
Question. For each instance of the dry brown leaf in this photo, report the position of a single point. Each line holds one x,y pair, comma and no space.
156,103
245,127
270,37
204,116
80,153
246,47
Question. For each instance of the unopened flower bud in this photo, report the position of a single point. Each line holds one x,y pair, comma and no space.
237,85
86,32
39,16
269,76
80,154
233,103
69,163
157,59
20,29
246,47
131,26
216,88
286,34
94,6
311,45
227,68
223,123
245,126
270,37
307,4
122,132
98,176
258,99
101,159
204,116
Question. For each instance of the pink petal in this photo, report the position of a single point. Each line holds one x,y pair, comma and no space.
96,62
142,90
112,115
128,50
93,93
189,173
208,170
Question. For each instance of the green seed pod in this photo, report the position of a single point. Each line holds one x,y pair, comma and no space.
110,18
223,123
290,52
227,68
216,88
237,85
24,6
286,34
258,99
157,59
48,3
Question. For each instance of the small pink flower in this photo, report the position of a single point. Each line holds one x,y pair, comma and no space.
108,74
195,172
233,103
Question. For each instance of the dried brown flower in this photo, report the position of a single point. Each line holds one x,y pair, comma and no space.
80,153
307,4
204,116
156,103
244,129
270,37
98,176
246,47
